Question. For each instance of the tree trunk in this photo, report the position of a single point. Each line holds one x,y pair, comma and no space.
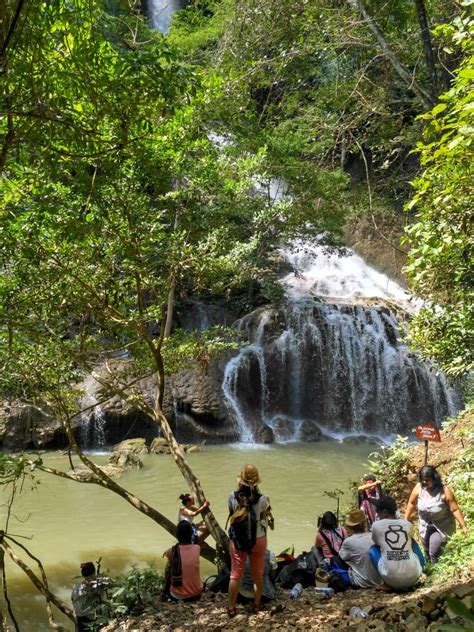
427,45
169,310
108,483
41,586
215,530
157,415
400,69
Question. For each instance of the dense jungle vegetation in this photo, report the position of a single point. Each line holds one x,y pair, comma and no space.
129,162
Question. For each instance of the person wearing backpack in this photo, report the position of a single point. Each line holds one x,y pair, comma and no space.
248,510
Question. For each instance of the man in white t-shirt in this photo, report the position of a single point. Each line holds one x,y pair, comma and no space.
355,551
395,555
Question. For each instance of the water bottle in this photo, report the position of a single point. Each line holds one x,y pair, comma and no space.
327,592
358,613
296,591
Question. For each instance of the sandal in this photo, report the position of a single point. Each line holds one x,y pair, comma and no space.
231,612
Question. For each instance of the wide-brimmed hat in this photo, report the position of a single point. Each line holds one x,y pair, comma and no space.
249,476
355,517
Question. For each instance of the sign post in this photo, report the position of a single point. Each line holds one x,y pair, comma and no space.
426,433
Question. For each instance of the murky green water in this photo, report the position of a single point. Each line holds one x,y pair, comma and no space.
71,522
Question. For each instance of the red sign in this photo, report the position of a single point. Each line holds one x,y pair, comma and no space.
427,433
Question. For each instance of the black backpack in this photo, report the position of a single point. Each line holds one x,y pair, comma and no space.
302,571
243,522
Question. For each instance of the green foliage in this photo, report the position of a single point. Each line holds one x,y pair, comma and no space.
459,551
114,196
196,29
462,612
16,468
389,460
181,347
135,589
129,593
441,248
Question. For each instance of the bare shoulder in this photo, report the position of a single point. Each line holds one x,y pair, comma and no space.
447,493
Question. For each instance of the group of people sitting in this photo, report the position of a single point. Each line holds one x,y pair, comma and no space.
373,549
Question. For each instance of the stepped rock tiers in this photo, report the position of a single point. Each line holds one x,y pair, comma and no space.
327,361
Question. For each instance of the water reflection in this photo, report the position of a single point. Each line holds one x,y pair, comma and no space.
71,522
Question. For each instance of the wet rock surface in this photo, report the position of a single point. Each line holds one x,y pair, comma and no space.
422,609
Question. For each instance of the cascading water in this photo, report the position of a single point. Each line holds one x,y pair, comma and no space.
92,428
160,12
333,366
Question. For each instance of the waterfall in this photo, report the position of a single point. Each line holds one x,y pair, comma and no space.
93,422
336,367
317,272
160,12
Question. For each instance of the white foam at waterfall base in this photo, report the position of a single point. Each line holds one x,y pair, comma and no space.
318,272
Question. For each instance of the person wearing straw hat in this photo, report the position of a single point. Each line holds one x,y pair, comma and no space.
355,551
247,501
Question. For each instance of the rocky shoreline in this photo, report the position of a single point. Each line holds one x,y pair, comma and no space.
425,608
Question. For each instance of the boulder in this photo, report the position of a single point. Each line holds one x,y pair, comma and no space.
125,460
361,440
25,426
135,446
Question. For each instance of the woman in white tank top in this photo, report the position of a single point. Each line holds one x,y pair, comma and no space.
188,511
438,512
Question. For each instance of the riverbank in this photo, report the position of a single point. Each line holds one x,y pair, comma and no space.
424,608
421,609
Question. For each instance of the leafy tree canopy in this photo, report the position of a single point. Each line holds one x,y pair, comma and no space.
441,255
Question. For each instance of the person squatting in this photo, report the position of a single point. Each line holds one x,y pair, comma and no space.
373,548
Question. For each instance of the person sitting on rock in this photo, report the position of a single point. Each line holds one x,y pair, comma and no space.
371,488
355,551
395,555
87,596
182,573
246,588
188,511
329,537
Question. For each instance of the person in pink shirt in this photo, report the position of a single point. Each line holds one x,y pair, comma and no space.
330,536
182,569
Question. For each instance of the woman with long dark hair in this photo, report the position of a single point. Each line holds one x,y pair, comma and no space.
182,573
438,512
330,536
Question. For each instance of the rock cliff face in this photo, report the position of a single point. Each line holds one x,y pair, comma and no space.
309,369
314,366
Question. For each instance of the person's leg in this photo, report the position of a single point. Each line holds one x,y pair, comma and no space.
203,532
436,546
237,568
257,565
425,541
83,624
417,551
375,555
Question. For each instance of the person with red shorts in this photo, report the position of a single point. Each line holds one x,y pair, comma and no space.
248,487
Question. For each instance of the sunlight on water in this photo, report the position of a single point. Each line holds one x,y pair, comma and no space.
69,522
